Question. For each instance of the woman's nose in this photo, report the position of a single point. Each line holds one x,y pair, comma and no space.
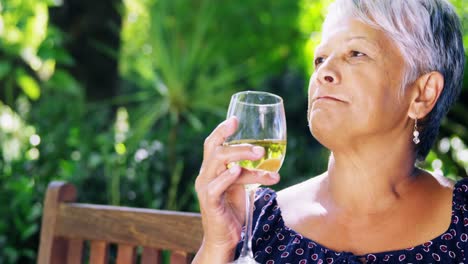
328,72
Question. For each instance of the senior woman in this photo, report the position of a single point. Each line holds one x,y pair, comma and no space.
386,72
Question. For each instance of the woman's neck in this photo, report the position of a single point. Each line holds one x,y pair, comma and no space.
370,181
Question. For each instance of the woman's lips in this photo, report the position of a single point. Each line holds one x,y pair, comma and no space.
328,98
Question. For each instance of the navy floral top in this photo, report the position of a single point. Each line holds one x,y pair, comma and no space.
274,242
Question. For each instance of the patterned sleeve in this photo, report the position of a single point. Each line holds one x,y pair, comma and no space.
265,218
460,213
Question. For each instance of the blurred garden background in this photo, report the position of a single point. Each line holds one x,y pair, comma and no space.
117,97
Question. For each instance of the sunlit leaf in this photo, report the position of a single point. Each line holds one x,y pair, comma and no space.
29,85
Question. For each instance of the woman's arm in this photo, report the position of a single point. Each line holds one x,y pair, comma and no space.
221,193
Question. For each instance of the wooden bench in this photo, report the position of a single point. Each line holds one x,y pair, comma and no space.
68,229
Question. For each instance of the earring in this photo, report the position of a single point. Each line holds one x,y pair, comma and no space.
416,132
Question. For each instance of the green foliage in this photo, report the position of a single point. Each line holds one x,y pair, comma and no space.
30,50
199,52
17,199
179,63
23,224
24,29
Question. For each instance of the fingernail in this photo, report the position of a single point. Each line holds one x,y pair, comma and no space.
257,150
274,175
234,169
231,120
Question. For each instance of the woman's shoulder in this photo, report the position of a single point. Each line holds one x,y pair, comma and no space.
444,181
302,200
308,187
291,194
288,201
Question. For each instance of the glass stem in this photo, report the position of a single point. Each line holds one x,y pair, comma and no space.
249,204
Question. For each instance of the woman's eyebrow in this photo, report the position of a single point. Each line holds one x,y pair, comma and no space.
317,50
367,40
375,47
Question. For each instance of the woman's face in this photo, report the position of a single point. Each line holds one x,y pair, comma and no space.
354,90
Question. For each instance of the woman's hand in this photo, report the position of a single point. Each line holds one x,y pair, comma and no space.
221,192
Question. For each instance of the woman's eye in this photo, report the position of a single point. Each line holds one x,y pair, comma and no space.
318,61
355,53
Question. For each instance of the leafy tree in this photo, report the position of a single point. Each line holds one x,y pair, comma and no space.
197,54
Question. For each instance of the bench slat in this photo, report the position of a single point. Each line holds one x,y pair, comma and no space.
126,254
75,251
150,228
66,226
178,257
151,256
99,252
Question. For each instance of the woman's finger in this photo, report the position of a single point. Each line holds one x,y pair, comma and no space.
236,176
258,177
216,188
219,160
220,133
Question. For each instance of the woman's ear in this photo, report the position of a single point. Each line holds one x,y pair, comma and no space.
425,92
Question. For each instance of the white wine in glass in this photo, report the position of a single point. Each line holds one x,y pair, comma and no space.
262,122
271,161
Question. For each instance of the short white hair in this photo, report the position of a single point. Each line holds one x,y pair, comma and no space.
428,35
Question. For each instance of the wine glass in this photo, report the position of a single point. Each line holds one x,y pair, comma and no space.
262,122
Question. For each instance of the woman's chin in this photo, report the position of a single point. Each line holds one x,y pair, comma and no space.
329,134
